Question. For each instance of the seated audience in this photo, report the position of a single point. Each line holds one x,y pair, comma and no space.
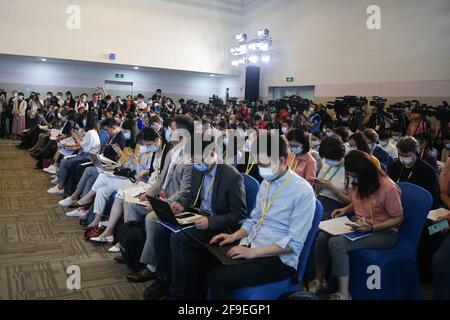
300,159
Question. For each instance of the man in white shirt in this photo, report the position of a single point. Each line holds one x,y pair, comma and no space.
387,145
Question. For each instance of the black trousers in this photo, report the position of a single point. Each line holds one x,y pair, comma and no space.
441,271
223,280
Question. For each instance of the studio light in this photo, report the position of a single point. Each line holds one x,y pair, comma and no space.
43,59
136,68
252,51
241,37
253,59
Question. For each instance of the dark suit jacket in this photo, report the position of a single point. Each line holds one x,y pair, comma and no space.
228,198
383,157
109,152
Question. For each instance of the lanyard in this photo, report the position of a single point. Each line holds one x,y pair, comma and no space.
296,164
200,189
334,174
400,176
249,167
267,206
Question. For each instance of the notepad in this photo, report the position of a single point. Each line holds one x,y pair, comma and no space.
336,226
174,228
435,215
353,236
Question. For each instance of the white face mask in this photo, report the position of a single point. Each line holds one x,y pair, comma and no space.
284,130
407,161
384,143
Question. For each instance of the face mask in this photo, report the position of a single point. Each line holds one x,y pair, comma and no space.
20,97
406,161
15,95
59,97
311,110
60,116
145,149
332,163
49,96
329,134
248,145
267,174
168,135
226,141
447,146
154,149
315,143
201,167
297,150
127,135
154,126
353,148
372,146
354,180
284,130
396,138
84,123
117,120
384,143
345,119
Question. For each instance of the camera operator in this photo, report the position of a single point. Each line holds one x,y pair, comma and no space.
375,116
312,119
419,123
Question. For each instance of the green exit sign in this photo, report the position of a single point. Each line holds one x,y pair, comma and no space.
120,75
290,79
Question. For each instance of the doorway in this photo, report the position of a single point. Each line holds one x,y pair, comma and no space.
118,88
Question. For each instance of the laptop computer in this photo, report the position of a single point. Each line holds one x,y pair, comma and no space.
165,214
99,164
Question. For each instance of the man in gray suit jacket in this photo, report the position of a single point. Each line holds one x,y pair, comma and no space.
218,191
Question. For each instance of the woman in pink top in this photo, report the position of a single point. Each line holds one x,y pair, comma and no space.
376,200
300,159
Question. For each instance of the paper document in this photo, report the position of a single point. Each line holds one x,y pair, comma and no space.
107,161
135,200
434,215
68,141
54,133
336,226
44,128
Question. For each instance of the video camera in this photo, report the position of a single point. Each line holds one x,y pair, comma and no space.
379,103
342,105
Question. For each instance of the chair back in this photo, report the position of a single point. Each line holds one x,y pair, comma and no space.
251,191
417,203
103,138
310,240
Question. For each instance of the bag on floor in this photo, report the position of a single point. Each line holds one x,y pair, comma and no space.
93,232
131,237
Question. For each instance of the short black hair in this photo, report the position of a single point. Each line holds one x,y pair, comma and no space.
300,136
408,144
342,132
185,122
269,137
332,149
110,122
148,134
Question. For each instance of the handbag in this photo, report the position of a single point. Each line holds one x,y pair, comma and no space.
126,173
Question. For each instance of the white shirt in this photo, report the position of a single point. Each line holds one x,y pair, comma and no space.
391,150
91,142
337,176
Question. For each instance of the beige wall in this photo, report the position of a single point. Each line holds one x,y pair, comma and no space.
323,42
153,33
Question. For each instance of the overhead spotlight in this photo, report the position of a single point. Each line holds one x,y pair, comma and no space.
253,59
241,37
233,50
265,59
136,68
263,33
241,61
212,75
43,59
235,63
264,46
252,46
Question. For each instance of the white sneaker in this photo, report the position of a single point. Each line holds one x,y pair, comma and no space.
52,169
53,176
114,249
102,224
56,191
316,287
54,181
102,239
66,202
74,213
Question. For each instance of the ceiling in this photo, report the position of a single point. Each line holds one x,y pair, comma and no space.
231,6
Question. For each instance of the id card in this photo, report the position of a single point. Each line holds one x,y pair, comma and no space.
438,227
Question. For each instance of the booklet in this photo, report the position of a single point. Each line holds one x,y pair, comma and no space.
353,236
174,228
434,215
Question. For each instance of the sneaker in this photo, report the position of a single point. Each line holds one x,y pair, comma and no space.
66,202
54,180
56,191
52,169
73,213
316,287
103,224
103,239
114,249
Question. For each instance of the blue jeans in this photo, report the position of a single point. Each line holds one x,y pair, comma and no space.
66,165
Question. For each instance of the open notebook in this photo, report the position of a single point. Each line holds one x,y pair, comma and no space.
337,227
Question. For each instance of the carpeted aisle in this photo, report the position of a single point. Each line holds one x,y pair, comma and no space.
38,242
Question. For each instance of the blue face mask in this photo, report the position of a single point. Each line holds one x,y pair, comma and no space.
153,149
168,135
201,167
329,134
145,149
447,146
332,163
154,126
267,174
297,150
127,135
226,141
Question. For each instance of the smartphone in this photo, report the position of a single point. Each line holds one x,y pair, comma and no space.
438,227
353,225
